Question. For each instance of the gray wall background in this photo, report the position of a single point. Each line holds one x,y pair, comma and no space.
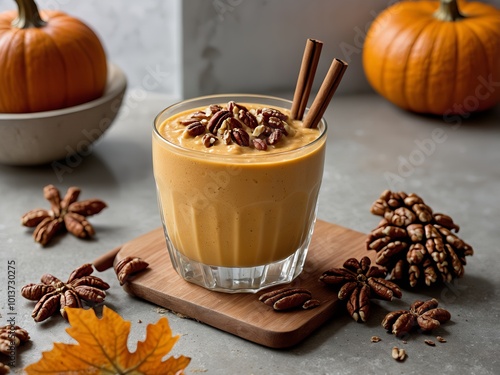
195,47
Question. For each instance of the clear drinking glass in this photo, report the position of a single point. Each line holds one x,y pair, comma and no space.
237,223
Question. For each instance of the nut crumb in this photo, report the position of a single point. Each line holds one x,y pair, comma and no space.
160,310
430,342
139,321
398,354
440,339
404,342
375,339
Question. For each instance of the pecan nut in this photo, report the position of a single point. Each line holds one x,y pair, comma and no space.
195,128
52,294
217,119
416,245
129,266
274,137
64,213
248,118
240,137
398,354
289,298
425,315
12,336
208,140
358,282
259,144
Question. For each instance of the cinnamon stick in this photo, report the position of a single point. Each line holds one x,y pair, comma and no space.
106,260
305,80
325,93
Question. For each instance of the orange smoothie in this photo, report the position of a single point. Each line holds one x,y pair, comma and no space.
230,199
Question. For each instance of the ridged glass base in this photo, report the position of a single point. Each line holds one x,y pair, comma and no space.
239,280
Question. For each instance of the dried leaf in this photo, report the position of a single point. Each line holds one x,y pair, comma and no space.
102,348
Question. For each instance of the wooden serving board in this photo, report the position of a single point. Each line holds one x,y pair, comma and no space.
243,314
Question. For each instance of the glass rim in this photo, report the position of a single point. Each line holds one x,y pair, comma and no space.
239,157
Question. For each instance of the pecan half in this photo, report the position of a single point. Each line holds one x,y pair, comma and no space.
271,112
196,128
4,369
259,144
274,137
128,266
425,315
240,137
248,118
12,336
398,354
289,298
217,119
209,140
276,123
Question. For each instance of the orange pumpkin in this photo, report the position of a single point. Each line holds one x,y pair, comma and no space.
432,57
48,60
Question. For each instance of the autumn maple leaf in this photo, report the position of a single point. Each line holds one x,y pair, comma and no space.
102,348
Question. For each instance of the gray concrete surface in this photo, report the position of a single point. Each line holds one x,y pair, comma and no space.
453,163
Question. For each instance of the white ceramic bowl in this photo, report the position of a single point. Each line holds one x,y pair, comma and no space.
43,137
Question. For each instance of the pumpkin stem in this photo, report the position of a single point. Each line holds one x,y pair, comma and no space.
28,15
448,11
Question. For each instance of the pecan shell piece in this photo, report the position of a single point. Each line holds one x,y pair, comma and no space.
416,245
357,283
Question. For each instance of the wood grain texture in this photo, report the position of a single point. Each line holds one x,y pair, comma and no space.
243,314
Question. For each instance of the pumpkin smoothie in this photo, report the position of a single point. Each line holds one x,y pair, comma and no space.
237,182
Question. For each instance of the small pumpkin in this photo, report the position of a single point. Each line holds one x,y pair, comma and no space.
48,60
432,57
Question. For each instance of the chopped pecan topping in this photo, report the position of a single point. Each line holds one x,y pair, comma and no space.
276,123
248,118
216,121
258,128
271,112
209,139
259,144
196,128
240,137
275,137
